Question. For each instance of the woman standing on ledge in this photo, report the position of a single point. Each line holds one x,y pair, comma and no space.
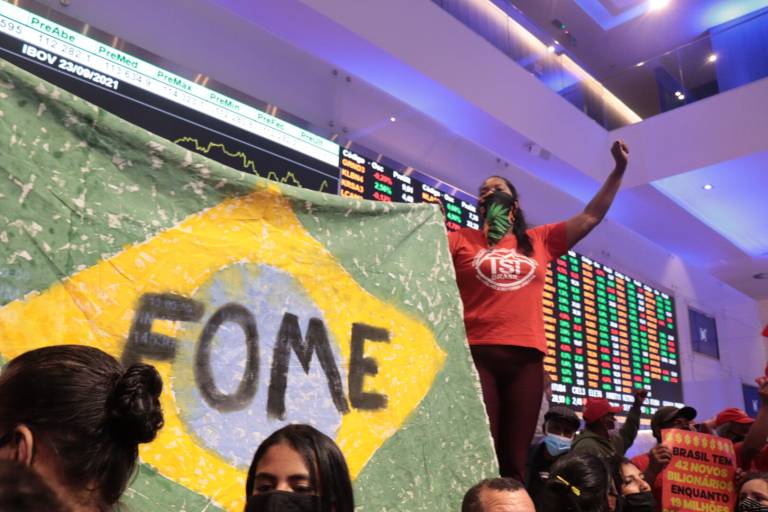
500,272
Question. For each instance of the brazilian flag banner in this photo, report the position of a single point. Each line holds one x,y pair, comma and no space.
260,305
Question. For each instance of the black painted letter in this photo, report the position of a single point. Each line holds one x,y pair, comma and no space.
289,337
157,306
360,366
204,376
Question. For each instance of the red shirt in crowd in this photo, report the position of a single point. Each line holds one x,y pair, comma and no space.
501,288
759,461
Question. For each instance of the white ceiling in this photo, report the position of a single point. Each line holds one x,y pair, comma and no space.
240,44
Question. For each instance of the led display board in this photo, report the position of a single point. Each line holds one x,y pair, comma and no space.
608,333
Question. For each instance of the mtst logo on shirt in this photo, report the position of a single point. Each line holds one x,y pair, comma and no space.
504,269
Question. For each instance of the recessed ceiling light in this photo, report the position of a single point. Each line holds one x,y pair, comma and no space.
640,64
551,49
708,186
657,5
761,275
681,97
712,58
392,119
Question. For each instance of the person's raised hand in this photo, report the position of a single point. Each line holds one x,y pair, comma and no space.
660,456
762,389
640,396
620,153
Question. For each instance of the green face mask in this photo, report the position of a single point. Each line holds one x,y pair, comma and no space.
497,207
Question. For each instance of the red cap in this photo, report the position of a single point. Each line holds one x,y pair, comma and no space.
596,408
732,414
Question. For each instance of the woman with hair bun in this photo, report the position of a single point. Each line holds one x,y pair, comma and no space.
75,416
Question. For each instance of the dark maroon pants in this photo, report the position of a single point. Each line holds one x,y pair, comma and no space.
512,379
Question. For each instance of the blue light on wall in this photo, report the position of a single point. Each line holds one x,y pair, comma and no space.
735,206
723,12
742,49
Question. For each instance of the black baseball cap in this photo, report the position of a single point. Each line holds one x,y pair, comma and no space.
563,413
668,413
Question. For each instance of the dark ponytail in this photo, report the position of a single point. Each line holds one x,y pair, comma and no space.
519,226
93,414
577,483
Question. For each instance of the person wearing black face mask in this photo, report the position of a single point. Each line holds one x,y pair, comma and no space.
634,492
282,501
298,469
500,272
753,493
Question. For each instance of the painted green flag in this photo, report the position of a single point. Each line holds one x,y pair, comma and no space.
113,237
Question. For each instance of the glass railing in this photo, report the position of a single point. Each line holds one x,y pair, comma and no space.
727,56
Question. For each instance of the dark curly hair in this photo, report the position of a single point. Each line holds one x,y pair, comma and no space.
91,411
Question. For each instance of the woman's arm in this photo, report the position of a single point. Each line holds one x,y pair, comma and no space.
578,226
758,432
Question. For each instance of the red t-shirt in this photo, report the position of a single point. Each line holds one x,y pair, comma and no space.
502,289
759,461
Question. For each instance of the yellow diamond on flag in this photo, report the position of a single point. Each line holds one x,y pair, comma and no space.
96,307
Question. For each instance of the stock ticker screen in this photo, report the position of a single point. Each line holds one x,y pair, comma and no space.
606,332
180,110
363,178
207,121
